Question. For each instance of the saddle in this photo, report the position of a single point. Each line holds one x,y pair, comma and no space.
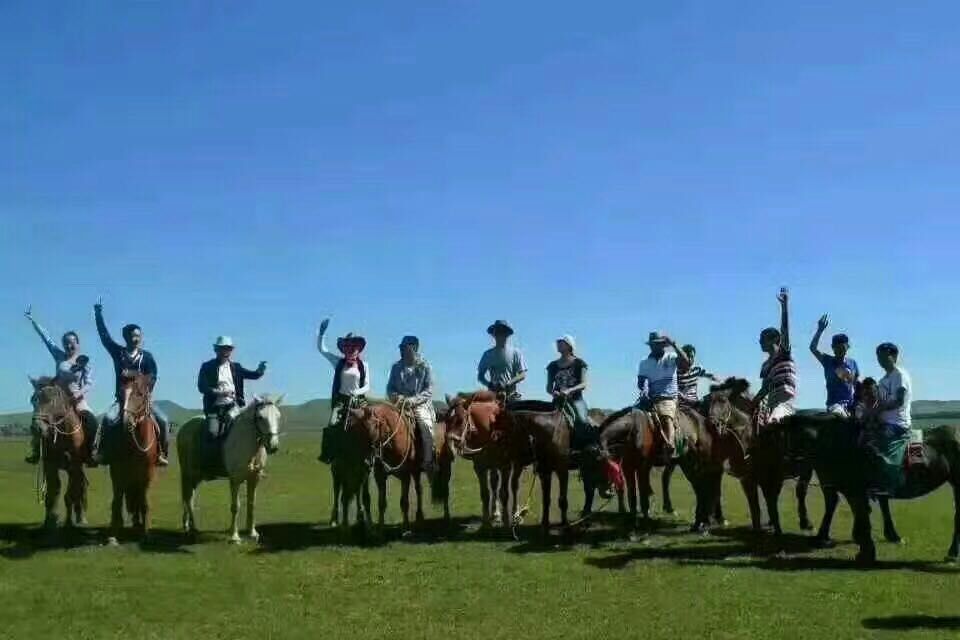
655,426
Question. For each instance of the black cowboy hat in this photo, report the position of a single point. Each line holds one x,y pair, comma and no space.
500,326
414,340
351,338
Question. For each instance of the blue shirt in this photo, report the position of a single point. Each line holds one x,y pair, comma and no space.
839,391
658,378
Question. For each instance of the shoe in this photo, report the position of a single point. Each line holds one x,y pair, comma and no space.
33,458
162,460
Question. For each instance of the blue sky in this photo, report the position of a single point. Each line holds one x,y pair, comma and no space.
602,170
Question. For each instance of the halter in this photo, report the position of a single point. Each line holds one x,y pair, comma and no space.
54,425
468,427
379,446
263,437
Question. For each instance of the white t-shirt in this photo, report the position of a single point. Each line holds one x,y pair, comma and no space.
661,375
225,384
889,385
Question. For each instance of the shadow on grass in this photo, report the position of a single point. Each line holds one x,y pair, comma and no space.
21,541
297,536
909,623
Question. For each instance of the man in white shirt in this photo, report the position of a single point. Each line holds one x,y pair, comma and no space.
887,425
657,382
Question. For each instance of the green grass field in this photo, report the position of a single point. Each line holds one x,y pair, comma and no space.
300,583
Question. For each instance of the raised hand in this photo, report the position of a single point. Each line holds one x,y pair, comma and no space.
29,313
98,307
323,327
823,323
784,295
262,366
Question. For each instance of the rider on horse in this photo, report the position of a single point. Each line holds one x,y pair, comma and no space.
566,382
411,386
689,375
502,367
73,374
351,383
221,382
840,371
774,401
886,421
657,382
128,361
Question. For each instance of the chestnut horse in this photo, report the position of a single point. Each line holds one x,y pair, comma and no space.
63,448
382,435
134,450
701,461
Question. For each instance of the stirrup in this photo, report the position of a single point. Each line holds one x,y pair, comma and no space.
162,461
33,458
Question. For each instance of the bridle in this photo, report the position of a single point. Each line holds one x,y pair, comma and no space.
55,424
469,427
263,436
380,444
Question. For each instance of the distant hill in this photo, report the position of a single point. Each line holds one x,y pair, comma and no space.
923,407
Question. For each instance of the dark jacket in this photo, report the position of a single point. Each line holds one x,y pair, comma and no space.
143,363
207,381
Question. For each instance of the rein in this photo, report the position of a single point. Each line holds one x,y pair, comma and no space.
381,444
132,425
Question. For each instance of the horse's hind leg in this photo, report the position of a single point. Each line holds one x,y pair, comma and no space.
953,554
235,511
337,488
546,487
803,485
771,493
665,487
188,496
418,489
718,517
862,535
753,501
484,495
53,494
252,483
889,528
405,501
116,515
381,477
563,482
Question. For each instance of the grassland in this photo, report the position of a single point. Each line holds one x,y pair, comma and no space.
301,583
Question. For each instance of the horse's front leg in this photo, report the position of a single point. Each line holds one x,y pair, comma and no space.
53,494
252,482
803,484
830,500
718,517
645,490
235,511
631,485
665,487
116,515
771,493
484,495
563,482
889,528
337,488
188,495
418,491
750,490
405,501
588,492
862,531
546,482
381,478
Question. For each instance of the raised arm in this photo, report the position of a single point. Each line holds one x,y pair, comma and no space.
822,325
57,353
108,342
683,361
256,374
332,358
784,299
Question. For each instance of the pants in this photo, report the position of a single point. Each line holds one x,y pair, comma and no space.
839,409
584,431
216,426
425,421
112,419
885,446
666,410
332,442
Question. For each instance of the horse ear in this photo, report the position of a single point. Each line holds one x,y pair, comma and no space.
33,381
279,399
448,399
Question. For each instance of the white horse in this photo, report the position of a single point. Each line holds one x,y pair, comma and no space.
254,434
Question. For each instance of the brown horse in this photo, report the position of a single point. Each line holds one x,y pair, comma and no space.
133,461
701,460
63,448
386,438
473,432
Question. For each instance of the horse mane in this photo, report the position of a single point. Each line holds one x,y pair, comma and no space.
616,415
736,386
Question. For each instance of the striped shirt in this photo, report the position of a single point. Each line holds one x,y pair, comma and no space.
688,382
779,376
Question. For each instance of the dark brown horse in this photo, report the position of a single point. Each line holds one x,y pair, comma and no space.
63,448
133,462
760,459
385,437
702,456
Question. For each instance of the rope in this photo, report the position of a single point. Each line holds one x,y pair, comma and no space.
401,406
41,483
522,512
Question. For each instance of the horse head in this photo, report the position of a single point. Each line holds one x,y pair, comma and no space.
51,402
136,399
266,421
728,403
470,418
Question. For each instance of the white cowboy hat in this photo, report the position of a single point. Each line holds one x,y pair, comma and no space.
569,340
223,341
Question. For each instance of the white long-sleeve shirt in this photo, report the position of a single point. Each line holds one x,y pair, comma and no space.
350,376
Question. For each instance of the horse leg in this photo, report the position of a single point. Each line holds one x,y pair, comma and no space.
830,500
252,483
631,483
753,501
116,514
546,480
621,505
235,511
701,511
719,519
862,535
563,482
405,501
771,493
188,494
510,479
643,486
53,494
337,488
889,529
588,493
418,491
365,500
953,554
803,484
665,488
484,496
381,477
500,494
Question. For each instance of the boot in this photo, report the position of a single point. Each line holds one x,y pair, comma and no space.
34,456
94,433
426,450
162,460
328,446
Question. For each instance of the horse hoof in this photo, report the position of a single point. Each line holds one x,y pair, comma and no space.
235,539
819,542
112,542
806,525
866,558
894,539
254,536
